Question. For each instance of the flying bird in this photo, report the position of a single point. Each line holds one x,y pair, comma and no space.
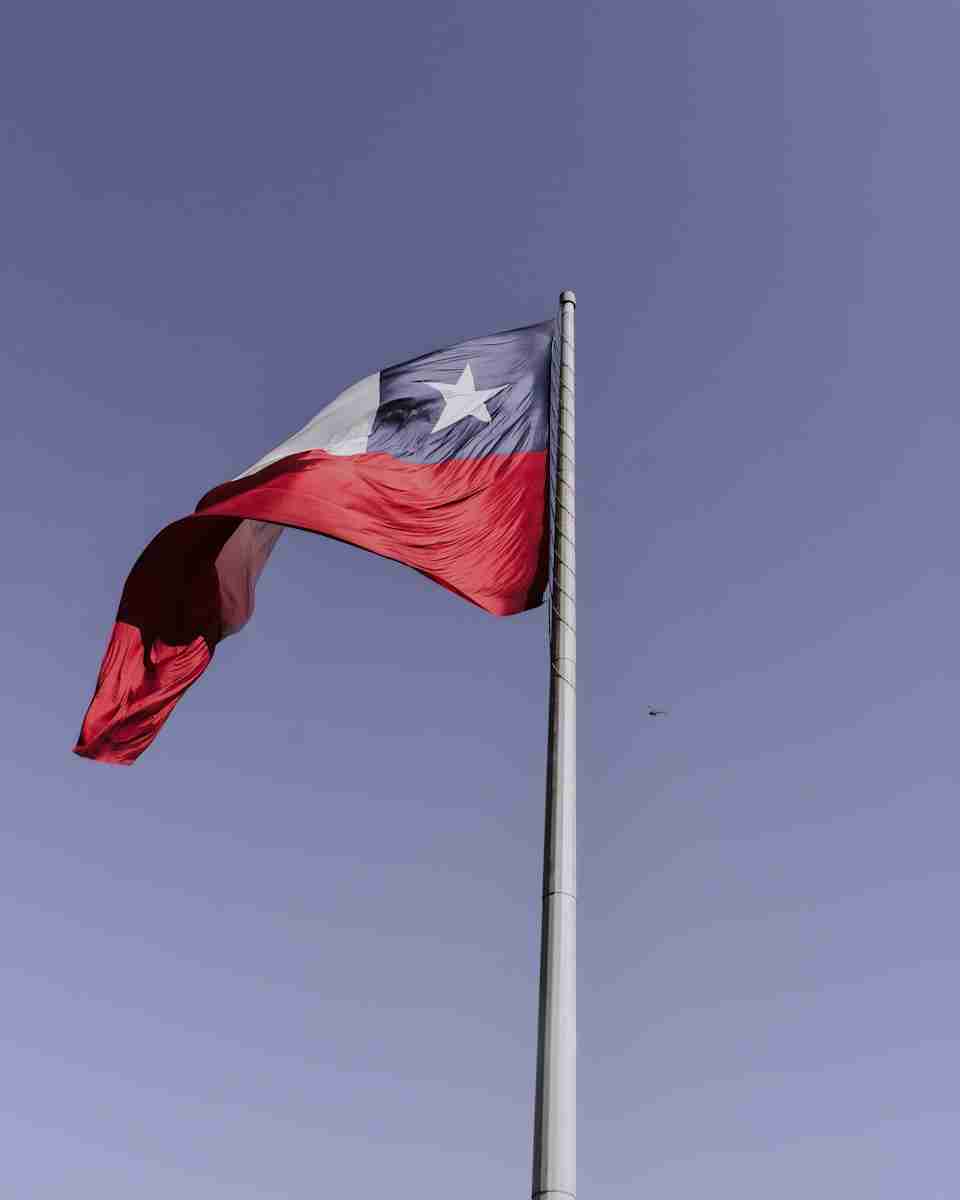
656,712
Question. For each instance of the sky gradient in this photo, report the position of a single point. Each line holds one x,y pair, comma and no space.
293,951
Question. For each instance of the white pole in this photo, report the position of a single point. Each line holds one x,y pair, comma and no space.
555,1114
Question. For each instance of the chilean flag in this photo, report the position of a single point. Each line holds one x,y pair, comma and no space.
440,463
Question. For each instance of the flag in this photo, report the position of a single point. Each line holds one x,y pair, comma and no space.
440,463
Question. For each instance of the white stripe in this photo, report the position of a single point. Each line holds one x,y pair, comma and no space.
343,427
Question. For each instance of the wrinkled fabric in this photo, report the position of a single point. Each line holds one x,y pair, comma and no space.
466,506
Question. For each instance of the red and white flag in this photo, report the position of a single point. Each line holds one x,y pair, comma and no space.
440,463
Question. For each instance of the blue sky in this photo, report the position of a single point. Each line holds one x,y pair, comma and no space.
294,948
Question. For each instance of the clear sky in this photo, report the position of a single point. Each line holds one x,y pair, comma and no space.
292,952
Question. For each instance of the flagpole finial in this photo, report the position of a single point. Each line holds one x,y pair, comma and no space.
568,297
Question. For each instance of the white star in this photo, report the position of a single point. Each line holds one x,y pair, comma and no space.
461,399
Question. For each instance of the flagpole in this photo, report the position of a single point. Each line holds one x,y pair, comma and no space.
555,1111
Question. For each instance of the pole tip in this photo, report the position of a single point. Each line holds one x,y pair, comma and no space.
568,297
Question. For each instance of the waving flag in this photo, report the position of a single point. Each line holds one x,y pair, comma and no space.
439,463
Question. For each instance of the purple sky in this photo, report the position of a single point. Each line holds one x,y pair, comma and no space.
292,953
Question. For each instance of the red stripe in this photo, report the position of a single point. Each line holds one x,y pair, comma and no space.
475,526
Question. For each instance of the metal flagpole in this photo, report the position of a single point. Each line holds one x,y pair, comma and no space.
555,1113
